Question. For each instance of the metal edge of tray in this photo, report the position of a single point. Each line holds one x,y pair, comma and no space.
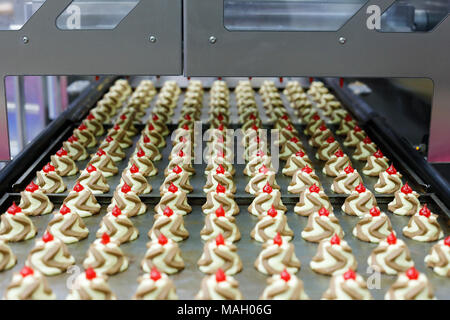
401,149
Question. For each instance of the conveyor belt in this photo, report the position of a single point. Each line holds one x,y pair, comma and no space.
251,282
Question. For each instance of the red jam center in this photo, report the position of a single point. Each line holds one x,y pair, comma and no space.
335,240
162,240
294,139
391,170
289,127
48,168
150,127
406,189
272,212
109,139
357,129
447,241
140,153
316,117
300,154
173,188
168,212
187,117
134,169
220,241
412,273
220,169
360,188
125,188
278,240
90,274
367,140
101,152
177,169
32,187
82,127
375,212
72,139
61,152
155,275
267,188
378,154
78,188
13,209
64,210
391,239
324,212
263,169
307,169
91,168
330,139
220,188
105,239
116,211
285,275
47,237
26,271
349,170
220,275
350,274
314,188
146,139
339,153
425,211
220,212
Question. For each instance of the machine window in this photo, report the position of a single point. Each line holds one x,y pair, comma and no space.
15,13
414,15
289,15
94,15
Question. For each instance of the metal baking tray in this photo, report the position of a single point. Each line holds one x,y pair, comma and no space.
252,283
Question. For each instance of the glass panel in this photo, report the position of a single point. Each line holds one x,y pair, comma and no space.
289,15
414,15
15,13
98,14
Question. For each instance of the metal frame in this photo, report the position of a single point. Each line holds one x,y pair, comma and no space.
126,49
364,53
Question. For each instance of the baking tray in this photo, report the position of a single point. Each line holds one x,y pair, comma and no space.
252,283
